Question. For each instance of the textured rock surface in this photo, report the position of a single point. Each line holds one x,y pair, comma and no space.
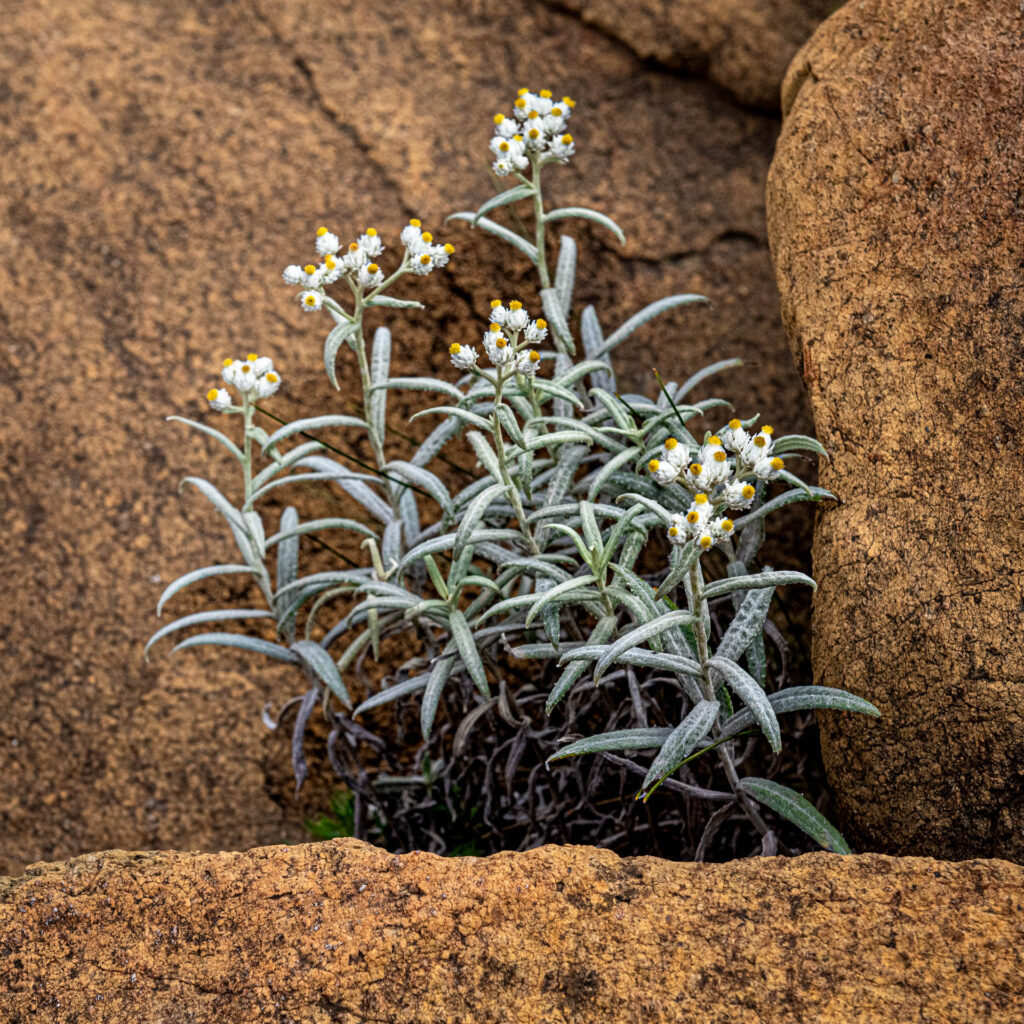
346,933
742,45
160,164
896,216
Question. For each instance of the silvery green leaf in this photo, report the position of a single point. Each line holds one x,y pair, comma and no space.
202,617
588,524
475,512
380,366
557,593
652,506
579,426
508,420
422,384
450,410
194,577
583,213
436,440
239,640
475,580
748,690
392,693
616,409
804,698
525,468
292,458
751,537
623,739
390,303
680,569
639,319
223,506
424,479
565,273
761,579
571,675
313,526
254,527
353,484
439,674
817,494
446,542
619,530
572,535
211,432
391,544
321,664
798,443
639,657
541,565
701,375
357,577
793,807
681,743
339,334
484,453
747,624
560,332
792,478
512,195
466,645
259,435
556,391
559,437
640,635
516,241
312,423
563,365
593,340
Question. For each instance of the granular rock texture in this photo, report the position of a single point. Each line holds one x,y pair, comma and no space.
896,214
344,933
161,163
742,45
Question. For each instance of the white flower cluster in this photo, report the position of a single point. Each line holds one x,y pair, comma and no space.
252,377
699,524
506,341
536,128
359,262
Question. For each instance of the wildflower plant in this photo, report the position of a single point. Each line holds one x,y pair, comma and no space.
606,549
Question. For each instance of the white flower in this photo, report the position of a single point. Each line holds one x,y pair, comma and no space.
313,276
370,276
311,301
441,254
332,269
767,467
497,347
293,274
260,364
422,264
463,356
504,126
678,531
676,453
514,318
354,258
267,384
411,235
502,167
327,243
536,332
370,243
714,460
554,122
698,514
245,379
722,527
219,399
738,494
562,147
528,363
663,471
534,137
230,374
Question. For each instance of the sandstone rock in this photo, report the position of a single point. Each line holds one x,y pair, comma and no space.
742,45
161,164
895,215
347,933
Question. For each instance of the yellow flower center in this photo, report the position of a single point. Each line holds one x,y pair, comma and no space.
653,465
425,259
320,232
520,103
523,91
748,491
227,362
415,222
566,139
760,441
212,394
696,468
494,328
692,516
352,246
272,377
427,236
252,357
504,147
309,268
777,463
706,542
719,456
495,303
556,111
455,348
542,325
500,343
534,133
568,102
714,439
498,118
701,499
372,232
673,532
768,430
545,94
735,424
373,268
671,444
534,357
449,248
310,301
515,304
727,525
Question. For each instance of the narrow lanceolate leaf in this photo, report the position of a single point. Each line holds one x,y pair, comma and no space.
211,432
512,195
439,674
392,693
223,506
450,410
311,424
338,336
793,807
380,365
391,303
516,241
816,494
761,579
422,384
199,618
353,484
638,656
556,320
463,637
617,337
804,698
747,624
245,643
571,674
556,593
682,741
679,572
320,664
484,453
798,443
315,525
703,374
623,739
750,692
475,512
194,577
583,213
565,273
640,635
423,479
288,549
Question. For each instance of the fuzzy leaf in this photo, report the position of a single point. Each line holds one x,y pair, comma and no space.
211,432
194,577
565,273
793,807
392,693
424,479
312,423
761,579
422,384
439,674
556,319
245,643
380,366
512,195
315,525
321,665
388,302
640,635
748,690
199,618
623,739
556,593
816,494
474,513
639,319
468,652
804,698
572,673
339,334
747,624
516,241
450,410
583,213
684,738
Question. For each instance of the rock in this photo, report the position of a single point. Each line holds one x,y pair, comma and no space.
161,166
895,215
742,45
344,932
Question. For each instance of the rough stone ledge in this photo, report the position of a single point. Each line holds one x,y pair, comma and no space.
344,932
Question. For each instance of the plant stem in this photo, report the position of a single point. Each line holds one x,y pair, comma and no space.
538,213
506,479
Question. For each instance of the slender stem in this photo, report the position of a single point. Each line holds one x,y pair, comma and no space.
506,479
538,213
247,408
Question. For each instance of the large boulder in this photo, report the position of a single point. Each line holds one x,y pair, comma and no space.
161,164
346,933
896,218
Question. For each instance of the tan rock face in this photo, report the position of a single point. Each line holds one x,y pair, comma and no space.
742,45
346,933
895,215
161,164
